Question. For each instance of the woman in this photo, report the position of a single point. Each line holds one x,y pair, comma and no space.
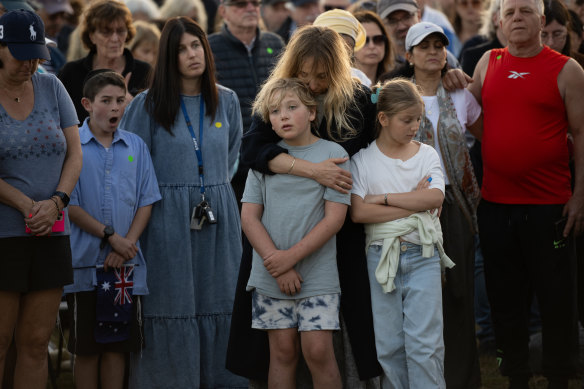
192,243
194,9
318,56
446,117
377,56
555,34
467,21
105,29
40,156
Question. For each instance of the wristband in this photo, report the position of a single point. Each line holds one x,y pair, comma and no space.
292,165
385,198
63,196
56,205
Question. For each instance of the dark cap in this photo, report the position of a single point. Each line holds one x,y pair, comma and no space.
300,3
12,5
24,34
386,7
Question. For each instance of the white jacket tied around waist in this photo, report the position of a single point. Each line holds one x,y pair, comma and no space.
430,231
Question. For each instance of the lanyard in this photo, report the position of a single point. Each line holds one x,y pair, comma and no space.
195,143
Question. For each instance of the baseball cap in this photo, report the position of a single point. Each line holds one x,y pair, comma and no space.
419,31
24,34
343,22
11,5
300,3
386,7
52,7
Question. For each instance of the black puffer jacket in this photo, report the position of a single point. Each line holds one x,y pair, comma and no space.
243,71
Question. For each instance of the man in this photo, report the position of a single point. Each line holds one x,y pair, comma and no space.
532,97
437,17
276,17
328,5
398,16
54,13
244,56
303,12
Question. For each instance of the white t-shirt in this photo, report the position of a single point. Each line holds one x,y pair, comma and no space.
376,173
467,108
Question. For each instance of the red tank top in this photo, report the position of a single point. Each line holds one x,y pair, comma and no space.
525,152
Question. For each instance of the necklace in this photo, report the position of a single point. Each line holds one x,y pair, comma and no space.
15,99
432,106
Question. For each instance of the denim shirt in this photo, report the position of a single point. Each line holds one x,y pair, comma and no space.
113,184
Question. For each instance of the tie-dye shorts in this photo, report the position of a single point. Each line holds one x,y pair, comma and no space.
307,314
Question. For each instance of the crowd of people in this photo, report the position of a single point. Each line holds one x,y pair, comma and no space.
292,193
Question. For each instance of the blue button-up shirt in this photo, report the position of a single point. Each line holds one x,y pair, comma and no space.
113,184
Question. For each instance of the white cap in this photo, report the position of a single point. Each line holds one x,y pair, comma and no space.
419,31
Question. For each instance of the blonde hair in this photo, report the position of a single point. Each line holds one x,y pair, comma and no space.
395,96
327,49
173,8
145,32
77,49
265,100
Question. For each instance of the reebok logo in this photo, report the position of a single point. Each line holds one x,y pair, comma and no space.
515,75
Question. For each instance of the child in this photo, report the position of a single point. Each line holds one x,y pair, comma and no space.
110,207
291,223
396,182
144,46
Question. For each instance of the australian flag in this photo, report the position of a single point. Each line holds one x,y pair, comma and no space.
114,304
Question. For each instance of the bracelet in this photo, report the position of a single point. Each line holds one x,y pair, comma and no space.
56,205
292,165
385,199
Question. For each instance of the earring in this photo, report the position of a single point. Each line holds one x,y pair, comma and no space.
411,64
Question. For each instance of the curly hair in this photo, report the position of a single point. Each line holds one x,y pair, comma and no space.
99,15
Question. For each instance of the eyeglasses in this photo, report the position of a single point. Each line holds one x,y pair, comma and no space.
395,21
243,4
107,32
555,35
331,7
369,6
378,40
472,3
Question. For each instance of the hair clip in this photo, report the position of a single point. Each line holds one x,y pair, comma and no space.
375,96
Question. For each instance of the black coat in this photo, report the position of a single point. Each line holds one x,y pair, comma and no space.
73,74
248,352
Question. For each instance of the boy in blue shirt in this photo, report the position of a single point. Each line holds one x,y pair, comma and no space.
110,207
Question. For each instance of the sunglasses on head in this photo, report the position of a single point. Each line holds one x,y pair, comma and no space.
331,7
243,3
378,40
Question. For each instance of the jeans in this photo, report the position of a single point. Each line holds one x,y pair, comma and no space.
408,321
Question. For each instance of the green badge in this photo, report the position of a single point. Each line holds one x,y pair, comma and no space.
269,50
130,158
499,57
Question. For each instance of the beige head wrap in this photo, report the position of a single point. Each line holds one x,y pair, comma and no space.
343,22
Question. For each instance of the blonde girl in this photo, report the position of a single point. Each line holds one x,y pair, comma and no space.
397,183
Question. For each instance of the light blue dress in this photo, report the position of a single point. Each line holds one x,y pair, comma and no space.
191,273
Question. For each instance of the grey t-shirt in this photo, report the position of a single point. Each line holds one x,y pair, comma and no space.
32,151
292,207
